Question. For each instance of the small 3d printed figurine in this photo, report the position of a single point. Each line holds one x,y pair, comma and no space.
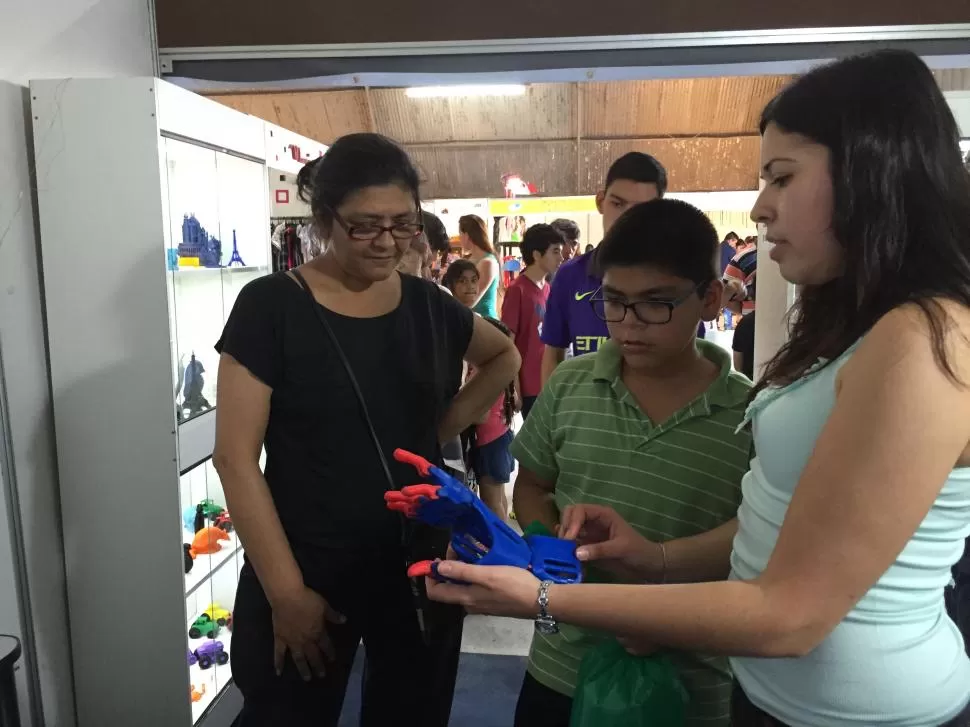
193,402
217,613
235,259
199,521
223,521
211,509
197,694
206,541
477,534
211,652
203,626
198,245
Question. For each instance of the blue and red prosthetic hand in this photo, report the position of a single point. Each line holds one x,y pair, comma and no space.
478,536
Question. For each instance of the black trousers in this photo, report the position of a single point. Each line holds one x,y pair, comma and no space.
409,679
540,706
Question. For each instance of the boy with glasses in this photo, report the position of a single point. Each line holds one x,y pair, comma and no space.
647,425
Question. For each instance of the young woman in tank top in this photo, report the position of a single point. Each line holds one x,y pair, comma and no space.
857,502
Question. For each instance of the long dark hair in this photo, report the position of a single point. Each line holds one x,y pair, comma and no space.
508,405
474,227
352,163
901,203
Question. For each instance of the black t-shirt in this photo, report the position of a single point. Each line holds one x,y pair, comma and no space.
321,465
744,343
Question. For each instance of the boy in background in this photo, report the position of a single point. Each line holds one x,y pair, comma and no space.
570,323
525,307
646,424
570,233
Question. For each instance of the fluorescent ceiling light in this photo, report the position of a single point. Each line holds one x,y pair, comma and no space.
465,91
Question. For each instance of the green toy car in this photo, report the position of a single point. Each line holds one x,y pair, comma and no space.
211,510
204,626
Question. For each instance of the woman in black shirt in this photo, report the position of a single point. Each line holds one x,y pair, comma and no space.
325,561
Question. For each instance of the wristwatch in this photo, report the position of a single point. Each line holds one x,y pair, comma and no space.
545,624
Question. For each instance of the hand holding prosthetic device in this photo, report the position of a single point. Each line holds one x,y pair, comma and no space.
478,536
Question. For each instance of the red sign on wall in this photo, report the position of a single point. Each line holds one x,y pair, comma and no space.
282,196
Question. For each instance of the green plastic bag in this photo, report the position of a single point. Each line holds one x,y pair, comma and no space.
621,690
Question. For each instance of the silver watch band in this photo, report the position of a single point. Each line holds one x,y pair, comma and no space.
545,624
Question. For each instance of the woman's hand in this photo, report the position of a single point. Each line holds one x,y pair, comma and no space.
611,542
495,590
299,627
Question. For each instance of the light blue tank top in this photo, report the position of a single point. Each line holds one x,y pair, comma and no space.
488,304
897,659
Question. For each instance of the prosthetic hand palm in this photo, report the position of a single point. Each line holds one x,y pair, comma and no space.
478,536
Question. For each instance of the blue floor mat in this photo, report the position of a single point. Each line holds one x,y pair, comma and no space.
485,694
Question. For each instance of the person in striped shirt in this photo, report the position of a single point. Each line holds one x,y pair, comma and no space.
647,425
742,268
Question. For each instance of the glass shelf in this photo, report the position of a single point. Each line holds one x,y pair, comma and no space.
210,586
216,242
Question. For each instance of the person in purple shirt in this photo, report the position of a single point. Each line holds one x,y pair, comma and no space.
570,322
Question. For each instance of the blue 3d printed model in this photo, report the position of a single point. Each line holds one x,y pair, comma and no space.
478,536
235,259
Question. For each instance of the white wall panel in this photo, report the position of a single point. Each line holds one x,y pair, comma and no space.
43,39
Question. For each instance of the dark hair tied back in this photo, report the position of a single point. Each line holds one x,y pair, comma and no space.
354,162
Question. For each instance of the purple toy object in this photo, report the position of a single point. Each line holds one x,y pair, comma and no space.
211,652
192,658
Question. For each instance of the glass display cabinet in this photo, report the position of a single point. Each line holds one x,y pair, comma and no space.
154,213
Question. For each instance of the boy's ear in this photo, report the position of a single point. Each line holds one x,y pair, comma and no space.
712,301
600,199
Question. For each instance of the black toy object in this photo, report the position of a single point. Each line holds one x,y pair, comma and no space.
188,556
192,399
199,517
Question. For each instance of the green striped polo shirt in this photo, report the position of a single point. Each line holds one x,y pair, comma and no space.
682,477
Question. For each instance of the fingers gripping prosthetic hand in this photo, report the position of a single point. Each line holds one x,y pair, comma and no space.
478,536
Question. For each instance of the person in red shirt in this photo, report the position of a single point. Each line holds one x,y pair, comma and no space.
525,307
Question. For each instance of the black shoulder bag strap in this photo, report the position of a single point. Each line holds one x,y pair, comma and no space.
416,594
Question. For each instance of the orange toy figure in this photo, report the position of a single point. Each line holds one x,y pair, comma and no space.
206,541
196,694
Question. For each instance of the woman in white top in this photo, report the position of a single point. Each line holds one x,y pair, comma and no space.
858,501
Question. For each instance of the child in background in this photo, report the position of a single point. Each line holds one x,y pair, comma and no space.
461,279
491,460
489,444
525,306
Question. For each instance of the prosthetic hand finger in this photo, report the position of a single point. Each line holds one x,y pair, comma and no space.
429,569
399,502
428,492
419,463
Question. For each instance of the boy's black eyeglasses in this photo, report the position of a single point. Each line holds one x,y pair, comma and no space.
656,312
365,233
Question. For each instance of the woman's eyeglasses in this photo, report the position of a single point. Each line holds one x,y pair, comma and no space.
365,233
656,312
